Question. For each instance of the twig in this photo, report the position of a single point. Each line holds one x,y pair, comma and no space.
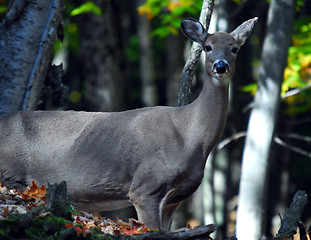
295,91
300,121
249,106
228,140
239,135
195,53
285,95
296,136
293,148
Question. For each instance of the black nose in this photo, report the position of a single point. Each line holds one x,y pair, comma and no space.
221,67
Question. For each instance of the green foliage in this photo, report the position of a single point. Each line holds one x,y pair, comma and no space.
71,30
42,228
299,4
168,14
252,88
237,1
30,226
3,9
87,7
132,51
298,71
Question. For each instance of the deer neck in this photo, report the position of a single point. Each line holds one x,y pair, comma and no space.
209,113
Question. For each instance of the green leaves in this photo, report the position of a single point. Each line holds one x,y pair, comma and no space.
87,7
252,88
3,9
298,71
297,74
167,14
132,50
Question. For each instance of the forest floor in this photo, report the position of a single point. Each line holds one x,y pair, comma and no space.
45,213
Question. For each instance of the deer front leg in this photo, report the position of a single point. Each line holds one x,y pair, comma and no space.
147,209
167,216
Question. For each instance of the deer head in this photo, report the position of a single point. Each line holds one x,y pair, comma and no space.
220,48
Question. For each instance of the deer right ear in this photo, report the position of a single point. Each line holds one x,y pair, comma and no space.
242,32
194,30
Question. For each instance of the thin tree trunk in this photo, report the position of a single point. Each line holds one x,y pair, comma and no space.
174,65
149,89
195,53
27,37
255,166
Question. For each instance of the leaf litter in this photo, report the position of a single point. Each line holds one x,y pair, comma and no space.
15,202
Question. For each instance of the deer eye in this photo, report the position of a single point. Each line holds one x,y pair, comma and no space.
207,48
235,50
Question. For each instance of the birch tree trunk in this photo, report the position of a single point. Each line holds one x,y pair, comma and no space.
255,165
195,53
27,37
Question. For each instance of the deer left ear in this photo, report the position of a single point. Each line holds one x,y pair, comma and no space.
194,30
242,32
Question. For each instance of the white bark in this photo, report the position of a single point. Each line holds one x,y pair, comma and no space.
255,165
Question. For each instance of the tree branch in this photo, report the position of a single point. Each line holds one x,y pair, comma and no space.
293,148
295,91
288,94
197,232
195,53
277,140
296,136
228,140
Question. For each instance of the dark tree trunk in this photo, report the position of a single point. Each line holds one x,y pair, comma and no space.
27,37
149,88
174,63
102,57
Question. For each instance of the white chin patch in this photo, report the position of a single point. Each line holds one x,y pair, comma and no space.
221,80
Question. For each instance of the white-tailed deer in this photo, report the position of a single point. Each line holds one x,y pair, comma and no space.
152,157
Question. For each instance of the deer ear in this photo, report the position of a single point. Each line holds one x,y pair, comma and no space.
242,32
194,30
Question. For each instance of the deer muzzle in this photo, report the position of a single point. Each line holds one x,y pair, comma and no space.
221,67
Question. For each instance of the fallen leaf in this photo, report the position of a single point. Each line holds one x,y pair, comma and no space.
68,225
36,192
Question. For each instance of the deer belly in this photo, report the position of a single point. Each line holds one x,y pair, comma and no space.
104,205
